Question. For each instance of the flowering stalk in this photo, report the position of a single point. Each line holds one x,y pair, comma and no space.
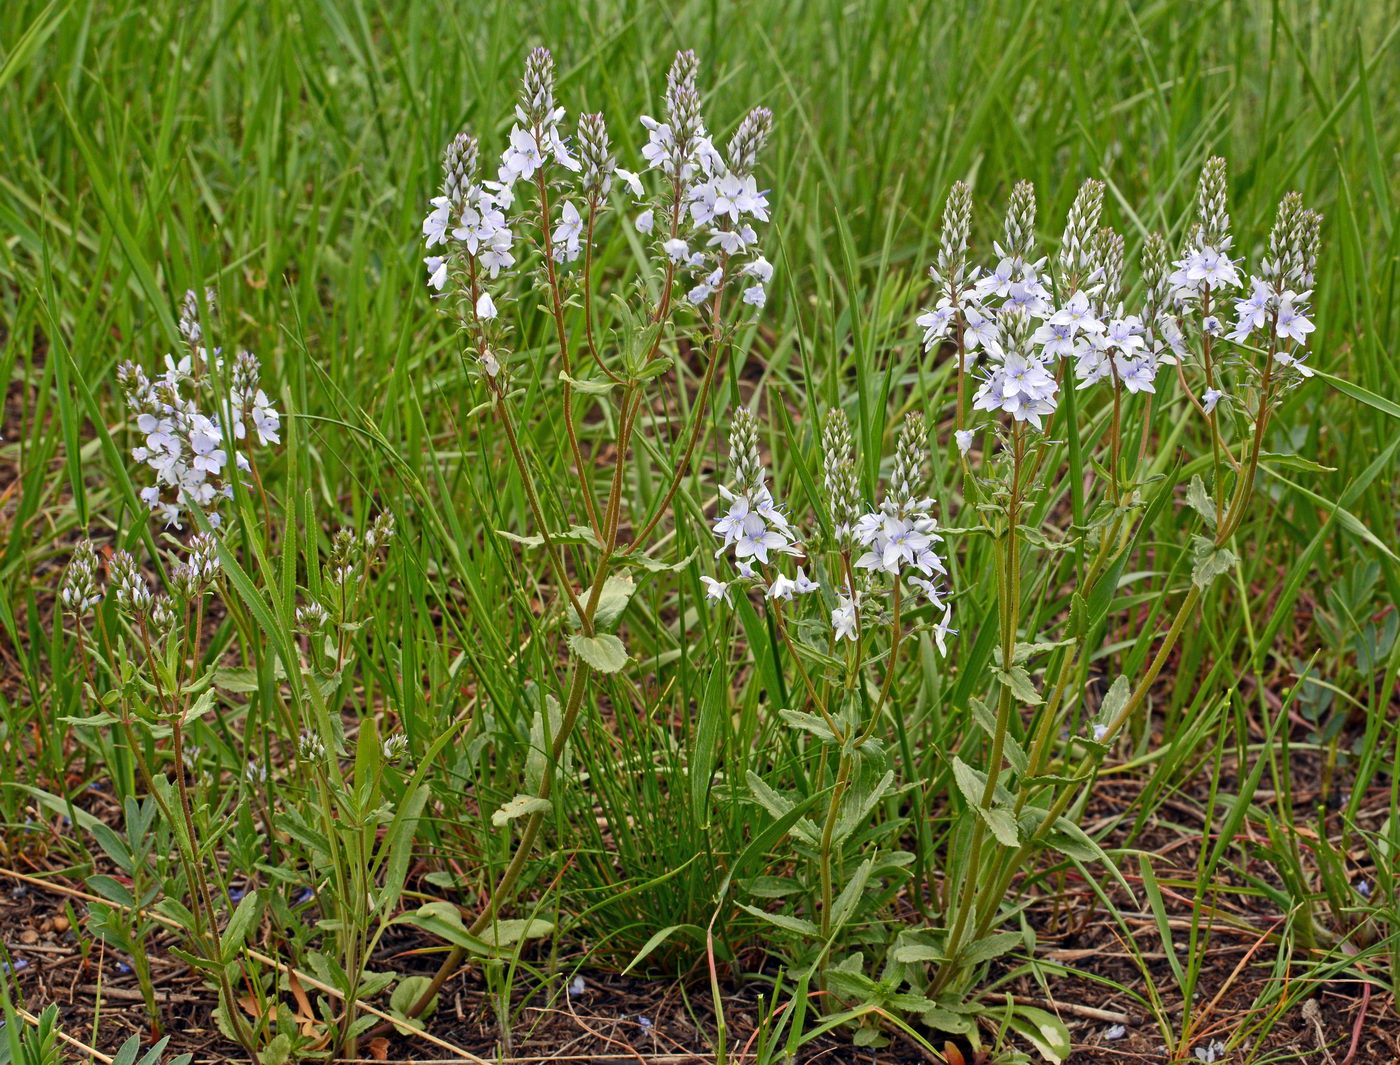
710,195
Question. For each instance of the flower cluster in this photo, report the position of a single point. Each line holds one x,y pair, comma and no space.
899,537
78,593
713,201
1027,327
895,541
193,453
754,528
711,205
1278,301
468,220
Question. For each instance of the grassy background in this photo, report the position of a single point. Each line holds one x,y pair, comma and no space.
284,152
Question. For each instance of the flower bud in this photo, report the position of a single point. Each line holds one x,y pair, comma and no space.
1076,247
749,139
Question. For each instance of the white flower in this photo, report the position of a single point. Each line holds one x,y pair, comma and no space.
677,250
1078,314
660,144
1138,374
760,269
1057,340
782,588
1100,731
437,271
266,422
895,541
1125,334
1204,266
843,619
435,225
931,590
757,540
1211,1053
631,180
941,631
207,455
485,306
730,526
997,282
756,295
715,590
802,584
1210,397
1286,358
964,439
935,324
566,233
645,221
496,255
980,329
1021,387
523,157
1253,312
1291,322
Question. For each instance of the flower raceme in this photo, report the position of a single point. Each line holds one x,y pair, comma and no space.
892,544
708,207
1029,325
197,420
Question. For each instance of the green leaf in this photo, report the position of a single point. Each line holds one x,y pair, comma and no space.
999,819
769,799
1364,395
1119,692
406,995
1019,681
659,937
92,721
1209,561
785,921
917,954
812,723
443,920
989,947
1043,1030
520,806
987,722
587,386
970,782
616,593
1024,652
1200,501
603,651
1003,825
237,680
245,918
112,889
845,905
1078,615
508,933
575,534
655,565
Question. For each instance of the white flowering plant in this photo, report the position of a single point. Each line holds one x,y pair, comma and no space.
545,210
868,590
